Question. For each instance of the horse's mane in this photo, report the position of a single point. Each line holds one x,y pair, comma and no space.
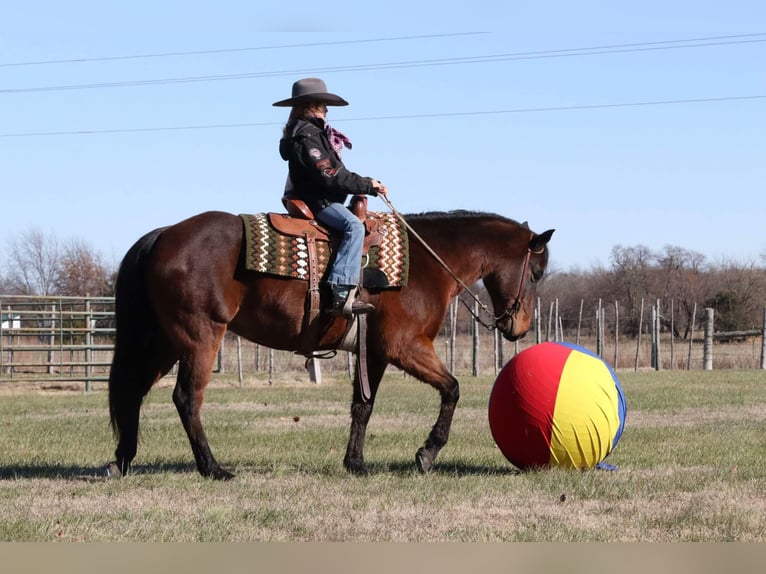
458,214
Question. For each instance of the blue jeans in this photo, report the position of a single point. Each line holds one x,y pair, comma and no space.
347,266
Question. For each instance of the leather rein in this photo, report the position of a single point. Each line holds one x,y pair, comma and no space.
509,311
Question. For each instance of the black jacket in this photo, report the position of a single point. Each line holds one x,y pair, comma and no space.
317,173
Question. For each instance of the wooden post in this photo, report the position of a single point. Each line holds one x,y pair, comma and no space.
672,335
538,323
550,318
763,341
657,355
579,322
707,347
239,360
640,327
315,371
616,332
220,355
691,339
452,333
599,331
271,366
475,333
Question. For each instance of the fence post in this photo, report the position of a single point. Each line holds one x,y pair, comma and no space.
475,333
453,307
538,320
88,345
640,328
657,352
315,371
672,335
691,338
616,331
599,330
271,366
763,341
707,347
239,360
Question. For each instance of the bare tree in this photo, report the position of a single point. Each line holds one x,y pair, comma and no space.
631,275
682,278
82,271
31,263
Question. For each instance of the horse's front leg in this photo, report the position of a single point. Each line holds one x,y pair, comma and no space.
360,416
423,363
439,435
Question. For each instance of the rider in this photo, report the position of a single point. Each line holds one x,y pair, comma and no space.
318,177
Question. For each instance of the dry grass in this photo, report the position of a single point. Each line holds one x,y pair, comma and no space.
692,467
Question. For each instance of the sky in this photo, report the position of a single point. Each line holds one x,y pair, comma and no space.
616,123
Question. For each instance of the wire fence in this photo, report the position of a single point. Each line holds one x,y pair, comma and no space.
71,339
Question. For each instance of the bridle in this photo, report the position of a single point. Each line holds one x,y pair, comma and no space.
509,311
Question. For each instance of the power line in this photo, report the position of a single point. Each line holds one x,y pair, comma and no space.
234,50
569,52
398,117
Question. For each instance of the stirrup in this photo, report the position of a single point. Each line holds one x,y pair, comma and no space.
344,302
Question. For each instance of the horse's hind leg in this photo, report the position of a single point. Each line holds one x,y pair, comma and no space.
194,369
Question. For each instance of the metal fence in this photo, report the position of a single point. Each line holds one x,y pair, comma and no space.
56,339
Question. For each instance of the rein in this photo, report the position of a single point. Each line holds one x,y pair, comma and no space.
508,311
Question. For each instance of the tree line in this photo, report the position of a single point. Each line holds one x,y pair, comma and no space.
35,263
683,281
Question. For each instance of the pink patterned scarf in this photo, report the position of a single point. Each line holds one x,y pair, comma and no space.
337,139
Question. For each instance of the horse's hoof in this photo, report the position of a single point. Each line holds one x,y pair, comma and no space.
355,467
220,474
424,460
112,470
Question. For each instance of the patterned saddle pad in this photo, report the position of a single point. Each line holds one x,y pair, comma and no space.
268,250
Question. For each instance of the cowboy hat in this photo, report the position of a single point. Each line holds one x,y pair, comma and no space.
311,90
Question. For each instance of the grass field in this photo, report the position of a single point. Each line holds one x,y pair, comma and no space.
692,467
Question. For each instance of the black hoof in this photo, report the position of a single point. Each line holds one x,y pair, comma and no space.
355,467
220,474
424,460
112,470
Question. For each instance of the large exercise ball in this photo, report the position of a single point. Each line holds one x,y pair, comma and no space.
556,405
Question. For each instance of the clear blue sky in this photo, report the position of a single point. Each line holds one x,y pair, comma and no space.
489,135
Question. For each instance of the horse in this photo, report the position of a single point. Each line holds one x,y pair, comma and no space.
180,288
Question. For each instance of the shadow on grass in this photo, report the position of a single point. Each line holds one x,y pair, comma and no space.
96,474
450,468
99,473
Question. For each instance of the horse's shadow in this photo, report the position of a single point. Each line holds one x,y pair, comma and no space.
100,473
84,473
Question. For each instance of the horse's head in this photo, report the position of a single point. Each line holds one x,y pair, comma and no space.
512,286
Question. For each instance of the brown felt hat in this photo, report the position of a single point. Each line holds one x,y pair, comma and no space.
311,90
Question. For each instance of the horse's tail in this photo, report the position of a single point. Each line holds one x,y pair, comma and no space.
136,324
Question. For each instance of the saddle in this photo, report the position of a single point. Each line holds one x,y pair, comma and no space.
300,222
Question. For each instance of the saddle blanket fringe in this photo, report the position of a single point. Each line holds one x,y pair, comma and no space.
269,251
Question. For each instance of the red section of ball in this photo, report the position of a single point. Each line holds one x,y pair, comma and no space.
522,402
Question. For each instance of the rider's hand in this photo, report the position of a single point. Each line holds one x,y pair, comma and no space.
379,188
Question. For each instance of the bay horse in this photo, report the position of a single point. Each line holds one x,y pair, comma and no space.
180,288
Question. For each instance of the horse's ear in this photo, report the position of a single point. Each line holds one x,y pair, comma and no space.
525,225
539,241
